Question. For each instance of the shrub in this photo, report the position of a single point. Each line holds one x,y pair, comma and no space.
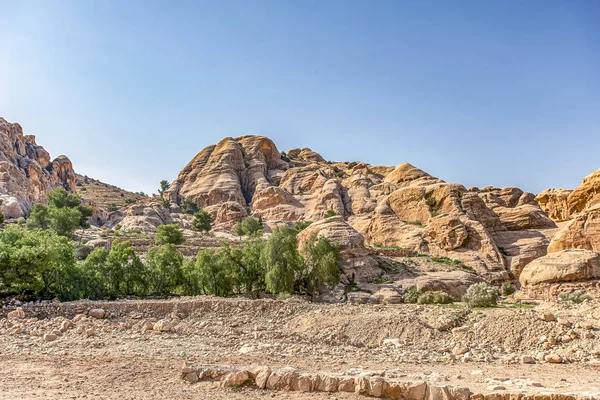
411,296
281,260
481,295
169,234
1,218
214,277
189,207
248,227
302,225
431,202
202,221
575,297
507,289
321,264
435,297
329,214
164,269
276,180
352,164
130,201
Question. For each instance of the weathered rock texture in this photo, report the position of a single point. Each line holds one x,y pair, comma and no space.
27,172
402,206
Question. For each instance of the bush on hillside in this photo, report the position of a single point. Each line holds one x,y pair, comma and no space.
481,295
435,297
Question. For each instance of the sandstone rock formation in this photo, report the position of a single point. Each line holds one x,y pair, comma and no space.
402,206
356,260
230,172
563,266
26,171
146,218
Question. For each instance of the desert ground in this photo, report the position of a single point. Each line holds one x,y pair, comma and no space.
136,349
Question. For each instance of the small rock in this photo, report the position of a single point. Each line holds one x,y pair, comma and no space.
162,326
554,359
97,313
527,360
49,337
16,314
548,317
90,332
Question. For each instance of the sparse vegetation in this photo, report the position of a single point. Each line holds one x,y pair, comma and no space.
169,234
329,214
248,227
575,297
130,201
434,297
189,207
302,225
202,221
507,289
112,207
481,295
411,296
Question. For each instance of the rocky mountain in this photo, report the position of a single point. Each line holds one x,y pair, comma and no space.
496,231
26,171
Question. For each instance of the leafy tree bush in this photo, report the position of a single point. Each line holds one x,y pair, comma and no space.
248,227
302,225
112,207
575,297
164,269
321,264
244,262
189,207
435,297
481,295
214,276
329,214
35,263
64,214
202,221
282,260
1,218
411,296
130,201
507,289
169,234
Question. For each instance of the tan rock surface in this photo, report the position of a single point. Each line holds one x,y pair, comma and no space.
563,266
581,232
26,172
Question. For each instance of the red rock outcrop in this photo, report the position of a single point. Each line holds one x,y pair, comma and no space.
26,171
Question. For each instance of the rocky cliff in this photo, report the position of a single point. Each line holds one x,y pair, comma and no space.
27,172
493,230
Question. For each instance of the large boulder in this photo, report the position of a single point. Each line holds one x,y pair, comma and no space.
356,260
563,266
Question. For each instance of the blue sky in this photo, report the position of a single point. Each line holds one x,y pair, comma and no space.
503,93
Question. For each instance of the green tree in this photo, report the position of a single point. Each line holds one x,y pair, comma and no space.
248,227
202,221
1,217
245,264
64,214
93,270
189,207
64,221
214,274
321,264
38,217
169,234
124,271
35,262
164,186
164,269
302,225
281,260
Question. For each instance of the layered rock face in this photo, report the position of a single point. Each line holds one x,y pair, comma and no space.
402,206
27,172
223,178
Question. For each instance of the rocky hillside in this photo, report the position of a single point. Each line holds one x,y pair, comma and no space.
496,231
26,171
104,195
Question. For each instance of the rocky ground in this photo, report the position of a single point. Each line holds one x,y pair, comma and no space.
136,349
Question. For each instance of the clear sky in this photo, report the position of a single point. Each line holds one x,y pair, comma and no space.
495,92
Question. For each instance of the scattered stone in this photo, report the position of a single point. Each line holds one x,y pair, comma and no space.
16,314
554,359
50,337
162,326
97,313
